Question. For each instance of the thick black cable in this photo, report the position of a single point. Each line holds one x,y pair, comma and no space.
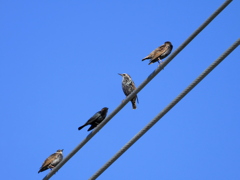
140,87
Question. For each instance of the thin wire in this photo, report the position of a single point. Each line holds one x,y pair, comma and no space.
140,87
165,110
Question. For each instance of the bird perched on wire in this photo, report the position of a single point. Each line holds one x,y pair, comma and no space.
96,119
52,161
160,53
128,87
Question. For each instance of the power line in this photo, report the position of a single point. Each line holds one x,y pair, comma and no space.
140,87
165,110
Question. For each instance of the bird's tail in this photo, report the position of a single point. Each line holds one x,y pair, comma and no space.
81,127
91,127
42,169
134,105
147,57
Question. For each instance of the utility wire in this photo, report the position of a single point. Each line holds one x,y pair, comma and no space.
140,87
165,110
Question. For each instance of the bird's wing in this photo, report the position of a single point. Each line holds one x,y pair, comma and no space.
129,88
94,117
159,51
134,87
49,160
150,55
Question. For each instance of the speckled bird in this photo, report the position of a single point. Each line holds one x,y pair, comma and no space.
128,87
96,119
160,53
52,161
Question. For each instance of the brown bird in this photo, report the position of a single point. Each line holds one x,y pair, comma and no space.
160,53
52,161
128,87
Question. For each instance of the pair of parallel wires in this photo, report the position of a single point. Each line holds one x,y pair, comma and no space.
140,87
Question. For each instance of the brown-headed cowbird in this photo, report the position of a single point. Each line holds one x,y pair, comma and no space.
128,87
160,53
96,119
52,161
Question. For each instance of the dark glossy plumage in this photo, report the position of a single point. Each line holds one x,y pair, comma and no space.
52,161
128,87
160,53
96,119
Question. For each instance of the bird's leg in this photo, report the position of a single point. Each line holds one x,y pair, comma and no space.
51,166
160,62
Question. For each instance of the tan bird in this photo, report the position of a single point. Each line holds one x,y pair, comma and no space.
52,161
160,53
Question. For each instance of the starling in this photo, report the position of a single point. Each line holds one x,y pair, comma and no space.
128,87
52,161
96,119
160,53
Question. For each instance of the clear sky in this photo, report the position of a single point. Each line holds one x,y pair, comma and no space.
59,65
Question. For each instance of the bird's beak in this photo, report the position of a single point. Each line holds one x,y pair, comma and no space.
119,74
62,149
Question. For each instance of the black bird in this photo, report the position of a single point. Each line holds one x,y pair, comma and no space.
128,87
96,119
52,161
160,53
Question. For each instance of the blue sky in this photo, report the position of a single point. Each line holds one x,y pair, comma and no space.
59,65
